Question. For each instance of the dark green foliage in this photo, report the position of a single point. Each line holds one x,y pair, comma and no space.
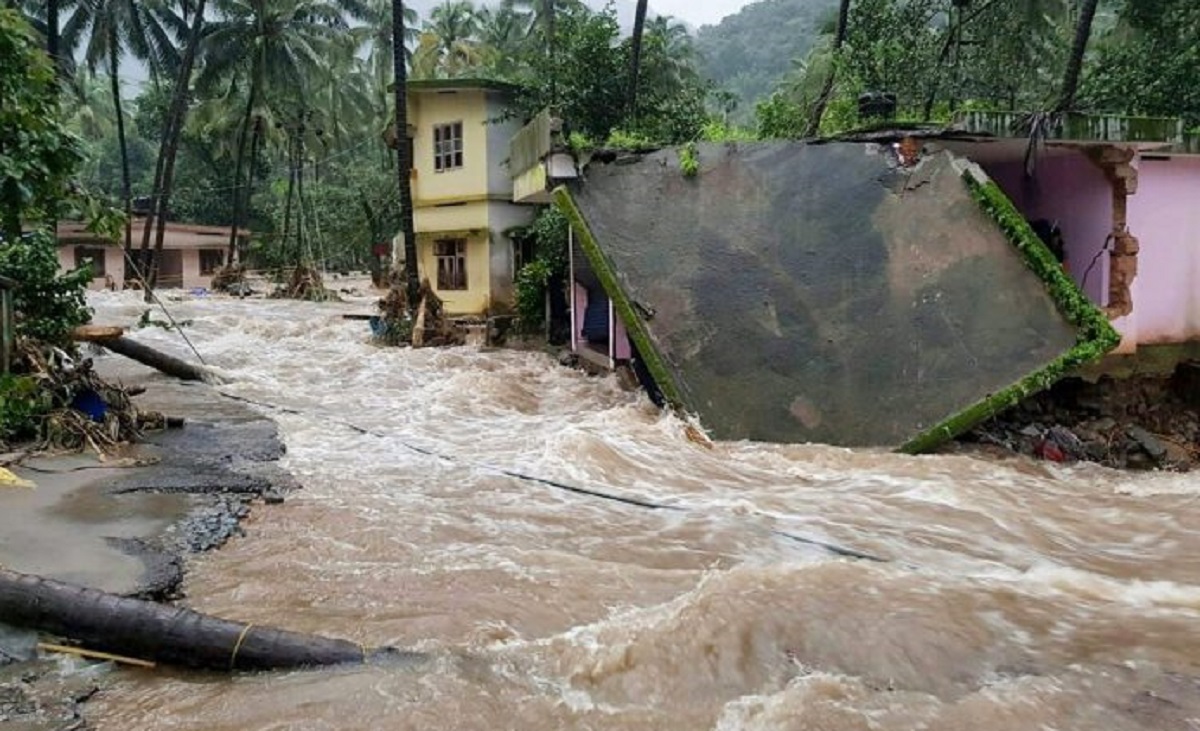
780,117
550,232
50,304
531,285
350,210
588,77
37,155
1150,63
750,52
890,46
583,78
689,160
37,158
22,404
1142,59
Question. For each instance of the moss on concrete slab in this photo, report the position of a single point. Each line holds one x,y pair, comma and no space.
663,375
1095,335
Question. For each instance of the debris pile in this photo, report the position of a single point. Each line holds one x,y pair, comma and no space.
231,280
1134,423
305,283
429,327
82,410
394,325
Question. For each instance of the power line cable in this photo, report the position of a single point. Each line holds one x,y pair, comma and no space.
154,295
658,505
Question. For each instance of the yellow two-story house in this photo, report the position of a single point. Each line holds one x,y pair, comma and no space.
462,193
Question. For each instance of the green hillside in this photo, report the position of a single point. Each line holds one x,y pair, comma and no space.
748,52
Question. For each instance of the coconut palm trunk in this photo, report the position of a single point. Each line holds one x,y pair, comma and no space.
256,139
839,39
635,56
404,156
1083,33
551,46
240,157
257,72
52,37
170,144
126,187
162,633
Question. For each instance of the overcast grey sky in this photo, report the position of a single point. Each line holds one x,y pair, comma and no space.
699,12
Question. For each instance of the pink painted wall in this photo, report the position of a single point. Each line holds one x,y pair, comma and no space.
114,264
620,338
580,298
1069,190
1165,217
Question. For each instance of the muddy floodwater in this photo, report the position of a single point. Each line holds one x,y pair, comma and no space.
1015,595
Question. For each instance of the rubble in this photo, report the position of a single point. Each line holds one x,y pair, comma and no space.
1142,422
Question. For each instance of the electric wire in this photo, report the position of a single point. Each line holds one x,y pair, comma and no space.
658,505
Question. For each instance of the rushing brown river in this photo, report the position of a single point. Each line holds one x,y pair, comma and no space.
1016,595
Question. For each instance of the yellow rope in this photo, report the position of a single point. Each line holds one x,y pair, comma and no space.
241,638
94,654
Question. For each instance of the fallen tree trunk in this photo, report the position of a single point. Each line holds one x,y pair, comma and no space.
146,355
160,633
96,333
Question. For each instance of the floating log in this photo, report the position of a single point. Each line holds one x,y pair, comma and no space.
96,333
159,633
146,355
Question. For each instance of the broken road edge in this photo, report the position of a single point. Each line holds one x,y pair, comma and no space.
1095,335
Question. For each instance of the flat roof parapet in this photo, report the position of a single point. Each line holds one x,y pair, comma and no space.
1076,127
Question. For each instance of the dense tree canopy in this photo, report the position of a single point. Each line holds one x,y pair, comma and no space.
287,87
937,56
37,160
300,86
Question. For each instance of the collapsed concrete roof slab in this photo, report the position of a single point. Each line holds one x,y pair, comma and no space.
793,292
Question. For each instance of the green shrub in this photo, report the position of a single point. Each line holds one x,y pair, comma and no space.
689,160
22,404
551,234
532,281
49,304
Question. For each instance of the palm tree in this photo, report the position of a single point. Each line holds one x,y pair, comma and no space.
88,108
52,35
404,156
635,56
344,98
503,32
427,56
544,18
267,45
1083,32
839,39
376,36
164,173
673,55
45,17
451,37
107,29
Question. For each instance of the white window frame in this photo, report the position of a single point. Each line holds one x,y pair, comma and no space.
451,257
447,147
